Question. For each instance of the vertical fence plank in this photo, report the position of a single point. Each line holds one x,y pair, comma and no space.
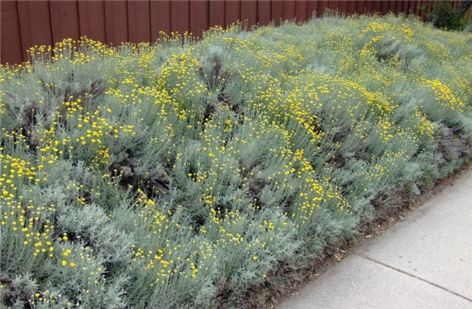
401,7
357,6
217,13
249,12
277,11
392,6
331,6
34,24
383,7
322,6
367,9
11,49
64,20
198,17
232,12
289,9
116,22
376,7
398,7
361,6
263,12
179,16
351,7
409,6
342,7
139,28
300,10
414,8
160,18
92,20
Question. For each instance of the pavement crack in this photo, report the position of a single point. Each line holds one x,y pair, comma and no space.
413,276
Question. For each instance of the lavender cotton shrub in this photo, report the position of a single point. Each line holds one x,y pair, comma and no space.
182,173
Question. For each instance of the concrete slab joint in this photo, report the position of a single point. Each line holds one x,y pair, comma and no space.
422,262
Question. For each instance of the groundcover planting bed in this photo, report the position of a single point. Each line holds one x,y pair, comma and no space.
186,174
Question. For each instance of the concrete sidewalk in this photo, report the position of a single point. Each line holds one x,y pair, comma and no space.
422,262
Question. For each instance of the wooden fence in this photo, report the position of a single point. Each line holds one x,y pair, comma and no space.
28,23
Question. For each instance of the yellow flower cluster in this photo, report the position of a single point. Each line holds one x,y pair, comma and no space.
385,129
179,75
65,262
25,220
444,95
383,27
425,126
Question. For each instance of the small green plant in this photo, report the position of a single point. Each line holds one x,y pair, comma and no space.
445,16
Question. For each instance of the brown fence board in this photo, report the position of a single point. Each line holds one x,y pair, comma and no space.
322,7
232,12
10,32
313,8
289,9
350,7
332,5
249,12
263,12
398,6
404,7
300,10
391,6
217,13
415,7
34,22
139,26
116,22
34,30
198,17
64,20
409,6
367,7
376,7
160,18
277,11
179,16
359,7
92,20
342,7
